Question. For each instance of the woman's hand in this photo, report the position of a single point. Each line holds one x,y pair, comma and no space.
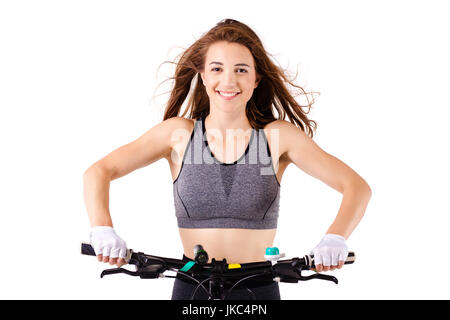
108,246
330,253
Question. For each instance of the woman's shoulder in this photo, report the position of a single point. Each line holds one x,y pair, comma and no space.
177,131
280,133
278,127
180,123
277,124
283,127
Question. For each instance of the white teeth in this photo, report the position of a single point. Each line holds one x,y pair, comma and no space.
228,94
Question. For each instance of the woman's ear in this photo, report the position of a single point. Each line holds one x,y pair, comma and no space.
202,75
258,79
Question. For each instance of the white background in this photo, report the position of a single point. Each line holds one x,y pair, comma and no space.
77,80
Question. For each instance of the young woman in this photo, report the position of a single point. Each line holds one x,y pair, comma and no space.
227,159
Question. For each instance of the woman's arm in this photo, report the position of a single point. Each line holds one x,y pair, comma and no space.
355,199
96,183
155,144
308,156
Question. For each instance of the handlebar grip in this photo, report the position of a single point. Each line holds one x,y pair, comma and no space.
350,259
87,249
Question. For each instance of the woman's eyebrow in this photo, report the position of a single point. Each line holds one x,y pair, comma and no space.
236,65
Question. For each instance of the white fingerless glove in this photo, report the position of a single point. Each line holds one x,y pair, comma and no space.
331,249
105,241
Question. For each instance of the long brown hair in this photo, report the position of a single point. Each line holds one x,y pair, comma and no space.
271,91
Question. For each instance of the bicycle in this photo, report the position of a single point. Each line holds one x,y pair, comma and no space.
220,273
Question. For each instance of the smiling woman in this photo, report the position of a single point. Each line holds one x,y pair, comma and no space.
228,82
246,58
224,199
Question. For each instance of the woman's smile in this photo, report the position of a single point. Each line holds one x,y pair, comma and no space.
227,95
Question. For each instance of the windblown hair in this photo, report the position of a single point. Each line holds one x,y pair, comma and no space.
271,92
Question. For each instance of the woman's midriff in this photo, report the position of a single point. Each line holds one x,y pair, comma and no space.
235,245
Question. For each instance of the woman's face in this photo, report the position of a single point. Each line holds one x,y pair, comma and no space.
229,68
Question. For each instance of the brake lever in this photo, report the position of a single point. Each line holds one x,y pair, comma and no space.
309,263
147,272
119,270
317,276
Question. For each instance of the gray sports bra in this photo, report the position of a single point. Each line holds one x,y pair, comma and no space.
211,194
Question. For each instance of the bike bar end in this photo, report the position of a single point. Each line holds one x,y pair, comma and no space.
128,256
87,249
351,257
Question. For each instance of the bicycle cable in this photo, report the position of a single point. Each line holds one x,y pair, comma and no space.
200,284
243,279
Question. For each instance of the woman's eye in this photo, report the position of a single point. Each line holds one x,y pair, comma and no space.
214,69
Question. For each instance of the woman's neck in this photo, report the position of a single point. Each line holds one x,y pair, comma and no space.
227,121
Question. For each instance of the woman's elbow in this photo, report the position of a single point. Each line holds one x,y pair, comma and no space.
364,187
361,186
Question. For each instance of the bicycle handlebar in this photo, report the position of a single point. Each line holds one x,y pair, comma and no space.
149,266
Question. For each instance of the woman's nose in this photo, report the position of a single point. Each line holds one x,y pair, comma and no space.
229,77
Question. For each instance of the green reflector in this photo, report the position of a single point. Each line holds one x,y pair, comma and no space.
273,251
187,266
